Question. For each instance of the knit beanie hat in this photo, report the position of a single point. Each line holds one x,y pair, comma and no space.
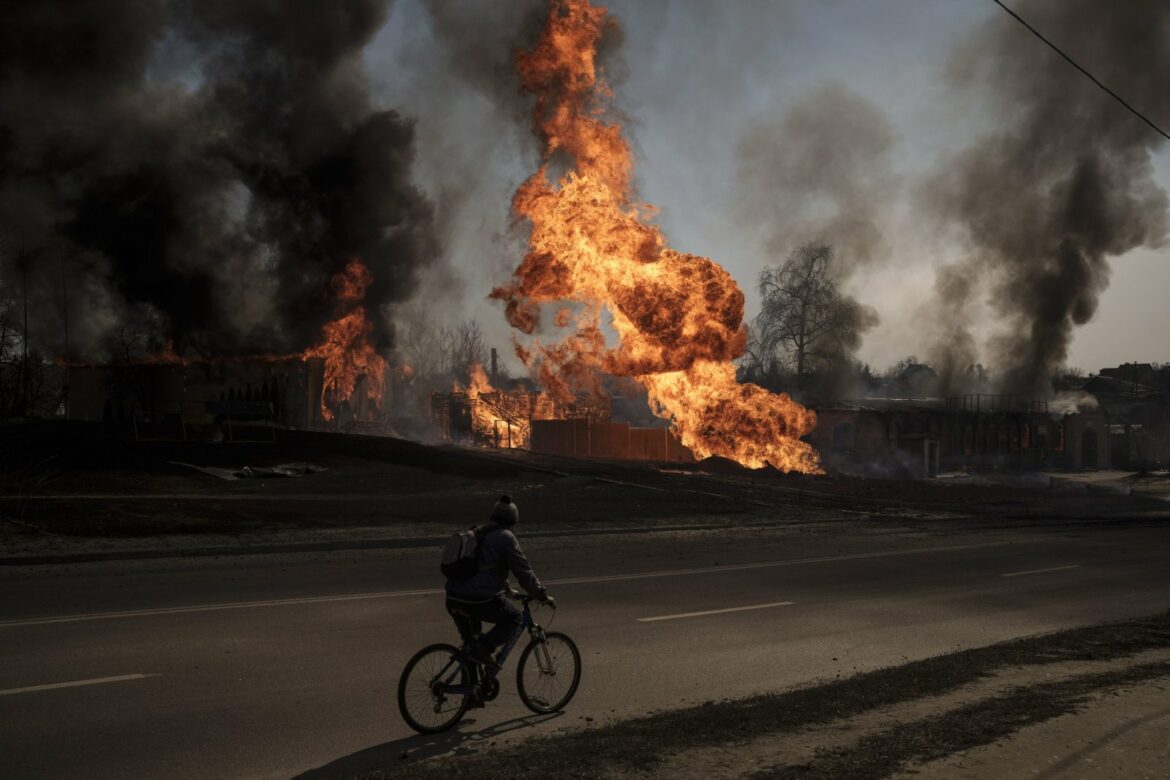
505,513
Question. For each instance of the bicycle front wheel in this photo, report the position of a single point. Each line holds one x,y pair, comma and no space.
425,699
548,673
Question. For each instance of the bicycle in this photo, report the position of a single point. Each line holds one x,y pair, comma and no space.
441,681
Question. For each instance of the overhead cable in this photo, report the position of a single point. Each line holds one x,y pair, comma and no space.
1092,78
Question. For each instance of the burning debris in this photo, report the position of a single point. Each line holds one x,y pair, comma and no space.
678,317
482,414
347,346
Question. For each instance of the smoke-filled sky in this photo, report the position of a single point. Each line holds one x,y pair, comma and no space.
205,166
762,124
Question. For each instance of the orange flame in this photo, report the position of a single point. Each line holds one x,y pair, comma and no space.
346,345
167,356
479,381
679,317
497,416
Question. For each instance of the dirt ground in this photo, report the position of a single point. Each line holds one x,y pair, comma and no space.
76,480
1086,702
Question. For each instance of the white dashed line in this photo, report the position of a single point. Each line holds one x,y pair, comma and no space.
1041,571
75,684
132,613
129,613
715,611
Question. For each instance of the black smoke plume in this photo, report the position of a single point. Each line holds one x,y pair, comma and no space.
1064,179
198,170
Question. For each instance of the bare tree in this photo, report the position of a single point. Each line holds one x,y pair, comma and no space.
804,319
11,357
438,351
445,350
763,365
419,341
469,347
130,376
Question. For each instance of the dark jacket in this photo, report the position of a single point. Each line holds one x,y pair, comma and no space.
499,555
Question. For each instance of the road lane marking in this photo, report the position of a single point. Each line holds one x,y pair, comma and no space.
75,683
769,564
330,497
681,615
1041,571
217,607
212,607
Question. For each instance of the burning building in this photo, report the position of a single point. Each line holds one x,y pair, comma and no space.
921,437
226,399
340,383
580,425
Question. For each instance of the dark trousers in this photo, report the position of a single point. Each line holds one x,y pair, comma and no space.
469,619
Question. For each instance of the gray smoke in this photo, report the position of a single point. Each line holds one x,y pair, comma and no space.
819,173
479,42
455,71
1063,182
952,350
198,170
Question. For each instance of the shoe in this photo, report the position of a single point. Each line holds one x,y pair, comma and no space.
483,655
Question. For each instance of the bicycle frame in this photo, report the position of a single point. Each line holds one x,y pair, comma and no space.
460,661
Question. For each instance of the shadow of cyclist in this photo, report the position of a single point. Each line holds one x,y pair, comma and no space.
420,746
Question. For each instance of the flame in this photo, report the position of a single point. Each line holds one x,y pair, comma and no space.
346,344
678,317
166,356
498,416
479,382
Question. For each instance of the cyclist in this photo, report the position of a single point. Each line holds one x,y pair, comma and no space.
482,598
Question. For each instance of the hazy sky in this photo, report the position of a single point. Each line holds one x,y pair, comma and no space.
691,79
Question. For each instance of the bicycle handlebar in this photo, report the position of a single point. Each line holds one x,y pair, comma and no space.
528,598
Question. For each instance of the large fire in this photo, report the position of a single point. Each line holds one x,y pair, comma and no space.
346,345
678,317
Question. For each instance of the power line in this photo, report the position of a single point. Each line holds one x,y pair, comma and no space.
1092,78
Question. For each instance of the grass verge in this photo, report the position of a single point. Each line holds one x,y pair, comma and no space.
980,723
641,744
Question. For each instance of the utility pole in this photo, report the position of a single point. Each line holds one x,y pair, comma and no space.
24,339
68,359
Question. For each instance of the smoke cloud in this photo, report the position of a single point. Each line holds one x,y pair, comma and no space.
1062,183
817,176
198,171
819,173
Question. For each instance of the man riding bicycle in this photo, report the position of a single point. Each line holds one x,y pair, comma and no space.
483,596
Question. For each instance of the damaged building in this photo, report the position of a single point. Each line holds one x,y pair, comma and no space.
922,437
1135,398
225,399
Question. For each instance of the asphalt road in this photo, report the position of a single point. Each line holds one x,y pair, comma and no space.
275,666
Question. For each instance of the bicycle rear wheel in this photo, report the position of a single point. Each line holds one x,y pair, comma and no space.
424,699
548,673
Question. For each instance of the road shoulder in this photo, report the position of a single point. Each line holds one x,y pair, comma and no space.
876,724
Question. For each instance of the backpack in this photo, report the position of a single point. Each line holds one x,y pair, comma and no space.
461,554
